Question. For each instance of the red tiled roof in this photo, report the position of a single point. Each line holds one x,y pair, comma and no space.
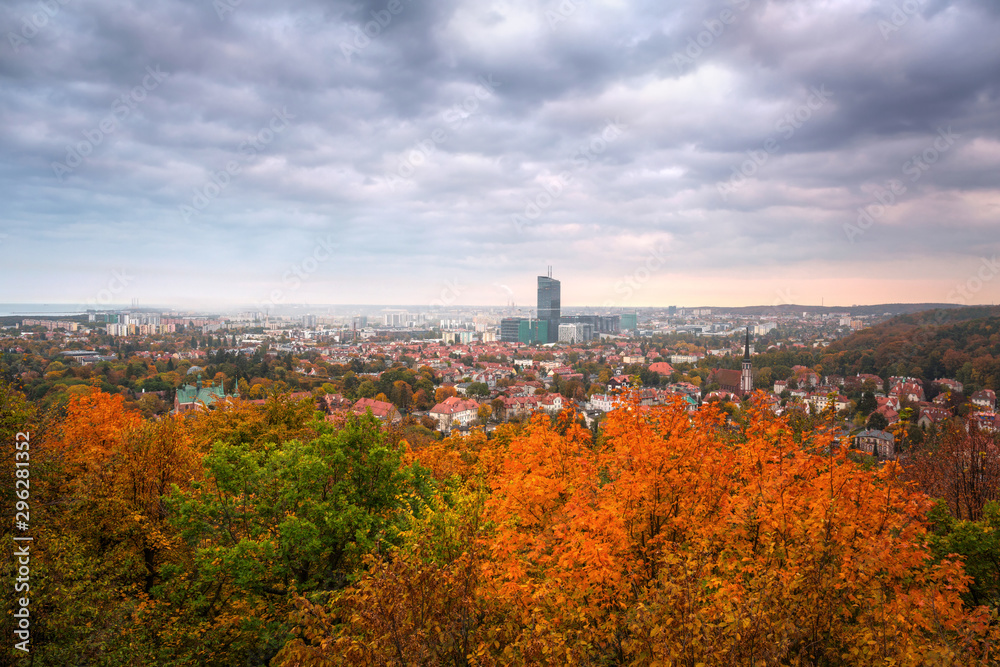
381,409
454,404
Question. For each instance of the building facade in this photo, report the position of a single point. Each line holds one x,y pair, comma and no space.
549,305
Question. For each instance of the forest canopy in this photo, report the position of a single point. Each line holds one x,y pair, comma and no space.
267,535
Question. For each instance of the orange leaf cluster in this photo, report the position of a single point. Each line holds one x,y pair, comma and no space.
675,541
94,426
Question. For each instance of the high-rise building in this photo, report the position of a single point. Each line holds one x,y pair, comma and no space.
510,329
524,330
578,332
549,304
630,321
540,331
599,323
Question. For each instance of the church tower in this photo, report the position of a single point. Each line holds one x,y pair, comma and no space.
746,379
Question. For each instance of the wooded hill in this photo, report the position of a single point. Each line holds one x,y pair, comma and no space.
962,344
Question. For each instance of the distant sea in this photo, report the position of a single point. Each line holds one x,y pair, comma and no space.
29,309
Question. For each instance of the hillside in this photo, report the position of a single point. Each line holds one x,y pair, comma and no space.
959,343
797,309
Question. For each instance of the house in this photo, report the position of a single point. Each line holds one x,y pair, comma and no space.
684,388
805,375
551,403
662,368
890,413
454,409
603,402
522,389
619,382
780,386
649,396
947,384
891,401
381,410
690,402
819,401
984,421
942,399
517,407
986,399
335,402
191,397
933,416
773,402
907,391
722,397
879,444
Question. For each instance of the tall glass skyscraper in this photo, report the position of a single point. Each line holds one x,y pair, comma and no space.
548,304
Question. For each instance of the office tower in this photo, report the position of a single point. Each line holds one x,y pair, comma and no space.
510,329
548,304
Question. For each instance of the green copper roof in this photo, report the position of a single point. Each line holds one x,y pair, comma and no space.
207,395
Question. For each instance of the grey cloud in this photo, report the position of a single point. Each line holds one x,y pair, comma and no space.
357,119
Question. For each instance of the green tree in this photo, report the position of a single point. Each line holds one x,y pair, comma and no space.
877,421
351,384
978,542
268,521
867,404
478,389
366,389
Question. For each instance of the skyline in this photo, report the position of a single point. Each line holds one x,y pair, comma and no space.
341,309
726,154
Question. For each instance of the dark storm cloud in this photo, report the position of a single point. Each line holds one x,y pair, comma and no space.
418,133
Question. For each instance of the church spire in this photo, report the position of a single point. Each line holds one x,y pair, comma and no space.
746,377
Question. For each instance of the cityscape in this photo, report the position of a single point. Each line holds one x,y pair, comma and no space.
382,333
487,366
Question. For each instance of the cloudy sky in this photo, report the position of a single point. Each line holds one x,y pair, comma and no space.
198,152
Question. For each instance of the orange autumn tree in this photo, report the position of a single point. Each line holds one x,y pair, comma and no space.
458,456
443,393
103,472
676,543
234,420
675,540
93,429
109,451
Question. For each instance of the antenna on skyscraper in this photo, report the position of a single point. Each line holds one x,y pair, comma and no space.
550,270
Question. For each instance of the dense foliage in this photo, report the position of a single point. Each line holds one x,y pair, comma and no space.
261,535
